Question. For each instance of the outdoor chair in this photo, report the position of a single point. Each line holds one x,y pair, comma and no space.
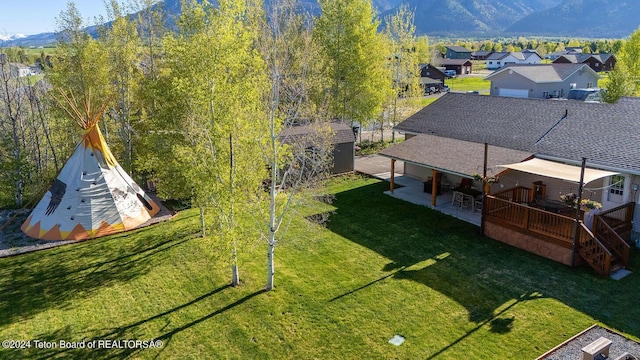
477,205
461,200
465,183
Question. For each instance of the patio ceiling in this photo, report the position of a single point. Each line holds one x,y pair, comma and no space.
452,156
558,170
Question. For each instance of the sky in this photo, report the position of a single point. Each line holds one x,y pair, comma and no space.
30,17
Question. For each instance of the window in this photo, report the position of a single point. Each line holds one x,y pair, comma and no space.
545,94
590,85
617,185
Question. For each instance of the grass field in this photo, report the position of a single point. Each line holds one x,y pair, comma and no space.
469,83
380,267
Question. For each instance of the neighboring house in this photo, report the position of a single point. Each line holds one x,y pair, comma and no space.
480,55
556,54
341,138
523,208
431,76
457,52
460,66
16,70
573,50
598,62
498,60
541,81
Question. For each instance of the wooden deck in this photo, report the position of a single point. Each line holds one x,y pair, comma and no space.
550,230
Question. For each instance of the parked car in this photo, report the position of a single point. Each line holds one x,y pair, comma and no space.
431,90
445,88
450,73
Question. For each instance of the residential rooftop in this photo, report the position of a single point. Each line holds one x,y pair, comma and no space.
568,130
544,73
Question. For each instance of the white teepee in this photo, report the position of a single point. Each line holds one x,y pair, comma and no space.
92,195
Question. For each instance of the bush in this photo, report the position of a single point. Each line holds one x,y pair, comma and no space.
368,147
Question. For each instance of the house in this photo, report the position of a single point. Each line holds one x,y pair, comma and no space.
457,52
341,138
556,54
431,76
16,70
480,55
541,81
498,60
536,150
597,62
460,66
573,49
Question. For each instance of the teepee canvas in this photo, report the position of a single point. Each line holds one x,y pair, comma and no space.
92,195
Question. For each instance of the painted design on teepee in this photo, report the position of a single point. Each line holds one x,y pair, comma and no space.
92,195
57,190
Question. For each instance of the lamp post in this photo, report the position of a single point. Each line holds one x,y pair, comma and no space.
576,227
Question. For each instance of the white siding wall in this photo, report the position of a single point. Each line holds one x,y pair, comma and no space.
555,187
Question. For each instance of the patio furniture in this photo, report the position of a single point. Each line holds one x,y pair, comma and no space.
462,200
465,184
477,204
445,185
428,185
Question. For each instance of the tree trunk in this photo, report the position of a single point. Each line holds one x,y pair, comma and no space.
202,223
235,276
270,266
19,184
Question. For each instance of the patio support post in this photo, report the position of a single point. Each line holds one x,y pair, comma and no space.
484,187
434,187
577,224
393,172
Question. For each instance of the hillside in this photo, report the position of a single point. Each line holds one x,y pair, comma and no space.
472,17
475,18
583,18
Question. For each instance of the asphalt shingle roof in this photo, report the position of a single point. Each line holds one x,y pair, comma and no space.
455,61
543,73
518,55
606,134
340,133
580,58
451,155
459,49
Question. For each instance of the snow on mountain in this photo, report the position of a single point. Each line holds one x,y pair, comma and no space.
12,37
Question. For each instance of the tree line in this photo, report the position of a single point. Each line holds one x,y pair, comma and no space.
542,46
206,109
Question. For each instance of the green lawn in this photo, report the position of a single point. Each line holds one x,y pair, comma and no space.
469,83
380,267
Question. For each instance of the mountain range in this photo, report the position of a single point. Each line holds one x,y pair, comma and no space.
477,18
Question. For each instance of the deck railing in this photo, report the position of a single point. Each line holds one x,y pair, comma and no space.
608,242
593,251
518,194
619,219
621,213
558,227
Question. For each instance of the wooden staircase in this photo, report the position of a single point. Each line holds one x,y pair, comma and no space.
607,248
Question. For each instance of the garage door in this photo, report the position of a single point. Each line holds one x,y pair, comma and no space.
513,93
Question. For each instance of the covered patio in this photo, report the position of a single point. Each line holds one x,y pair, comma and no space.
412,190
452,163
520,216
